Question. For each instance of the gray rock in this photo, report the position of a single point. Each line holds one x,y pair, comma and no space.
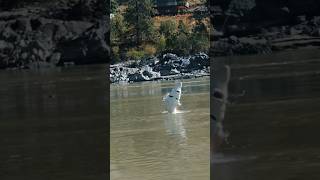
55,58
5,46
233,39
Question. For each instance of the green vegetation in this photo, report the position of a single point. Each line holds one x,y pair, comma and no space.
113,6
136,33
139,18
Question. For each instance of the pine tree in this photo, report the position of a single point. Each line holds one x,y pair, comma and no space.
139,17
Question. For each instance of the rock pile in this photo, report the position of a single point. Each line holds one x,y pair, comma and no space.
168,66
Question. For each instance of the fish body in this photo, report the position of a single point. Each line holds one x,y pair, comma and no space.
172,100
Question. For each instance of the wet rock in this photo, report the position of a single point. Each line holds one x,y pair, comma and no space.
24,55
149,61
301,19
199,61
136,77
234,40
315,20
55,57
168,67
148,72
21,25
295,31
5,46
9,35
167,58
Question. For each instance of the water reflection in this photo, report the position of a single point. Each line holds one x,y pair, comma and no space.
273,126
174,124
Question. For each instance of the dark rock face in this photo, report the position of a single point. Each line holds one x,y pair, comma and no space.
54,35
198,61
269,26
271,9
168,66
92,46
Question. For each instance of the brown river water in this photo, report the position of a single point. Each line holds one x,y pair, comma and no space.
53,124
274,127
147,143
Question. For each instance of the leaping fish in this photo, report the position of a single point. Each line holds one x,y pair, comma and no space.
172,99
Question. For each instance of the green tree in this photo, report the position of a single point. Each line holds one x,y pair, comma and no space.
139,17
118,36
119,29
113,6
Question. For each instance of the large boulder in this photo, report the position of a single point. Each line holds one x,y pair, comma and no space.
199,61
89,47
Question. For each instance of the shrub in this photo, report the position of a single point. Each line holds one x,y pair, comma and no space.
161,44
134,54
200,43
183,27
115,54
167,28
149,50
182,44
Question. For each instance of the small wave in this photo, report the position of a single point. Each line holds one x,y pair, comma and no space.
177,112
182,112
221,159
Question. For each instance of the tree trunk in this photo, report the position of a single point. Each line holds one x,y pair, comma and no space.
138,27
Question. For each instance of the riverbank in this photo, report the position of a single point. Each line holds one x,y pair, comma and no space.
266,43
166,67
265,27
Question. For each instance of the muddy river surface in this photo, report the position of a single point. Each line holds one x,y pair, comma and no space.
147,143
274,127
53,123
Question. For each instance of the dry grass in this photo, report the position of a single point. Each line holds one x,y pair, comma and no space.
187,19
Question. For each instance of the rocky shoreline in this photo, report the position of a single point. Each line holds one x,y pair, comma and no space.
164,67
36,37
268,27
278,39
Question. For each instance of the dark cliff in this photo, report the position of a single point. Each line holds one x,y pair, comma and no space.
40,33
265,10
265,27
